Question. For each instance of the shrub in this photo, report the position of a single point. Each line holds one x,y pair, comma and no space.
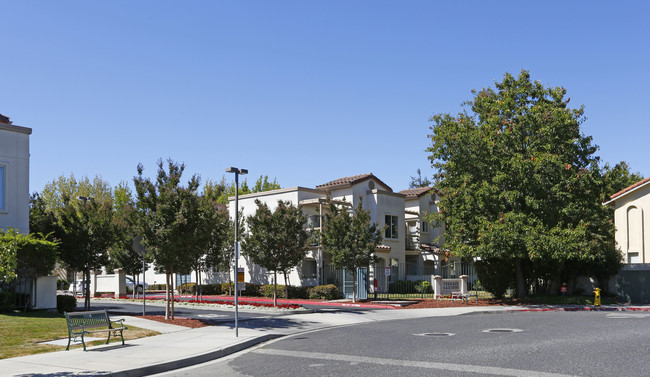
401,286
423,286
495,275
210,289
7,300
186,288
298,292
252,290
324,292
227,288
65,303
267,291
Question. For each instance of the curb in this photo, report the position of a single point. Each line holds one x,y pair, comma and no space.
579,309
194,360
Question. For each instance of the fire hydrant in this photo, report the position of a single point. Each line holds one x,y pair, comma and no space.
597,297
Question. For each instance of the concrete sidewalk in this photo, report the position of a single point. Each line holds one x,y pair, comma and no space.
179,347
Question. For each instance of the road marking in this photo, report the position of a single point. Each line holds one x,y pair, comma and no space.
212,315
627,315
409,363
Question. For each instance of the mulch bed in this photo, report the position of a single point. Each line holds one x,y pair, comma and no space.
186,322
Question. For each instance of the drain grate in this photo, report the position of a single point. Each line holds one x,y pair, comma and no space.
503,330
436,334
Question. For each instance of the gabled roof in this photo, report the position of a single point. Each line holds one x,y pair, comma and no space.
628,190
4,119
352,180
416,192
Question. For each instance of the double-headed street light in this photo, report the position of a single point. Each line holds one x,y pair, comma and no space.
237,173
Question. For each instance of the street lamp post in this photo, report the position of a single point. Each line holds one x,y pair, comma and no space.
237,173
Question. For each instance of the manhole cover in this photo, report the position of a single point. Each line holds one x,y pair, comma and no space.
434,334
503,330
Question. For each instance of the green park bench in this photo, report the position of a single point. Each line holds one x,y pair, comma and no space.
84,323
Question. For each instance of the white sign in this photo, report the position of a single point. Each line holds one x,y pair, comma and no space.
241,286
237,248
387,271
450,285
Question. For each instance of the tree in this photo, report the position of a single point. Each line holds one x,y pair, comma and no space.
24,256
168,218
85,234
227,190
125,221
521,185
417,182
277,240
618,177
350,239
53,193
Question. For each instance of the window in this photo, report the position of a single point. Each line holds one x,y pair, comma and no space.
391,227
425,227
3,170
309,268
313,221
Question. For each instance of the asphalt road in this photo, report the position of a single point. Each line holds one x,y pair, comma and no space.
520,344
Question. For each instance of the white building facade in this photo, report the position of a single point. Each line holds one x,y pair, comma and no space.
14,176
400,214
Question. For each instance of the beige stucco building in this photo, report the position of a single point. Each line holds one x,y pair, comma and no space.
631,206
631,217
14,175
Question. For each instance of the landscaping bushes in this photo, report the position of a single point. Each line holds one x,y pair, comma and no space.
65,303
324,292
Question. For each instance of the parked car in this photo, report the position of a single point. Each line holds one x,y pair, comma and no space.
77,286
129,284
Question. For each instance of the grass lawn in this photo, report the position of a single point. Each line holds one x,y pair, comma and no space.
21,331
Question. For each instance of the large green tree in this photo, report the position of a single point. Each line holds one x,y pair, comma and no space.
277,239
350,239
85,233
521,186
168,220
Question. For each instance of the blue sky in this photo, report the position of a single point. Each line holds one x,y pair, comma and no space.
303,91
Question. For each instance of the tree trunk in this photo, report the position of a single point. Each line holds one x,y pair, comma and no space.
171,277
166,295
286,285
197,287
275,288
354,285
86,285
519,275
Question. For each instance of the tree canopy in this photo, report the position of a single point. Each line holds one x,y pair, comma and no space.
168,219
277,239
521,187
350,238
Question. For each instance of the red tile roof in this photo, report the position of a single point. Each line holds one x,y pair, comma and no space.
416,192
349,181
630,188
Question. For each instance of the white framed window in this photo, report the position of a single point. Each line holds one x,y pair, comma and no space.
424,226
391,227
3,187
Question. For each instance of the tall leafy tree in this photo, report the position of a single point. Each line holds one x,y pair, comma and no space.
520,182
168,219
419,181
277,240
228,190
85,234
350,238
618,177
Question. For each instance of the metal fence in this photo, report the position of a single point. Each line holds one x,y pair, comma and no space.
400,281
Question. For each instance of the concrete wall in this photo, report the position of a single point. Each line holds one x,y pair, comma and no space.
14,157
